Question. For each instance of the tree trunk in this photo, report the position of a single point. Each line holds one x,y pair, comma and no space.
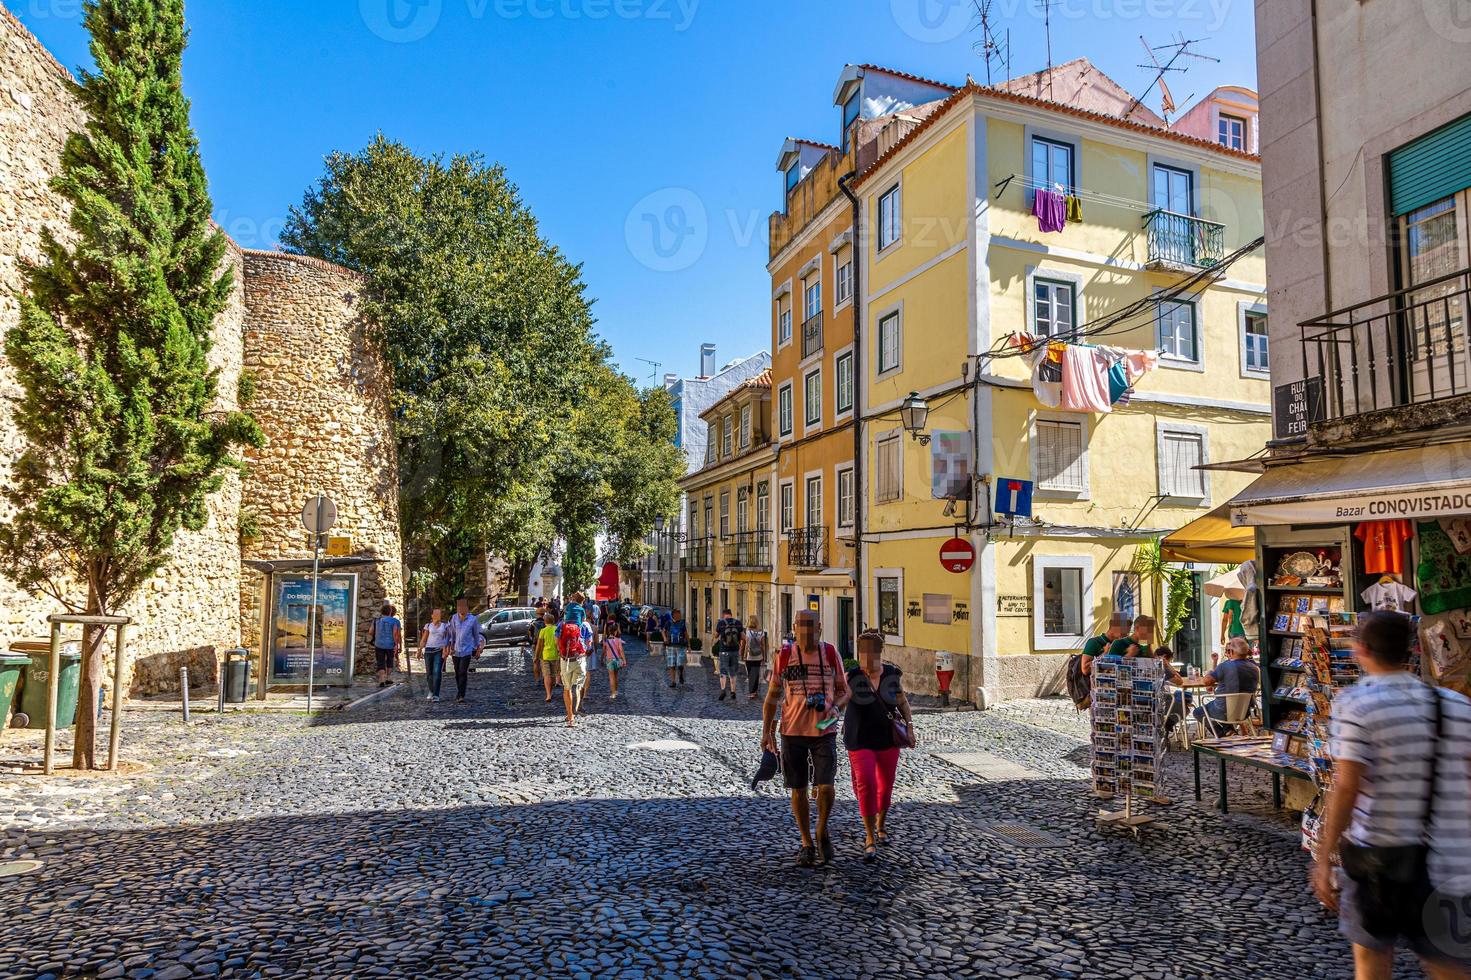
84,748
521,580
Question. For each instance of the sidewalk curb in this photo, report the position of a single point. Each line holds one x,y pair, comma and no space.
375,696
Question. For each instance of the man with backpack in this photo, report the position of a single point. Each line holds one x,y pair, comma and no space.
572,646
730,637
1079,676
753,650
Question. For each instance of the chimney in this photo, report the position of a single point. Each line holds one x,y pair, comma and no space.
707,360
670,380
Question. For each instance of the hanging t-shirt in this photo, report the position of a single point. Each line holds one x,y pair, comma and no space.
1384,545
1389,597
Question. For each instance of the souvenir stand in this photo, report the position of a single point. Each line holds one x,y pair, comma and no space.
1128,717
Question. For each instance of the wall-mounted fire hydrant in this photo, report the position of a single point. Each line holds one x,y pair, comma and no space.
944,673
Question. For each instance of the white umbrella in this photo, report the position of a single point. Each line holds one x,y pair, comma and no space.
1227,585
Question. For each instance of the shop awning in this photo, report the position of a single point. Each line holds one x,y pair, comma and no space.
1213,539
1425,482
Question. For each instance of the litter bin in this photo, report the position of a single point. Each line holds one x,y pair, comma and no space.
12,665
237,675
33,694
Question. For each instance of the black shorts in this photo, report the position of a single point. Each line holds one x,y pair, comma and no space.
809,760
385,658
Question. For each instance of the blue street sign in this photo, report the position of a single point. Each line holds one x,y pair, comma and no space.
1014,497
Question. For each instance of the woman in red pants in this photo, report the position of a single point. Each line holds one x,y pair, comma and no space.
870,735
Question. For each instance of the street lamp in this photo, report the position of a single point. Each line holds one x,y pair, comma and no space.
915,412
659,524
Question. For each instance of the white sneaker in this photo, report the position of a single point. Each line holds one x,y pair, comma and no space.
430,698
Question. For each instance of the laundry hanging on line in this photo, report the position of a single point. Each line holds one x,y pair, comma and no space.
1083,377
1054,209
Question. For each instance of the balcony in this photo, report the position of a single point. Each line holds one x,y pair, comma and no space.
699,555
1180,241
1392,364
812,334
807,547
748,550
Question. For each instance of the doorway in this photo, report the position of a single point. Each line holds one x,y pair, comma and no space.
1189,639
845,629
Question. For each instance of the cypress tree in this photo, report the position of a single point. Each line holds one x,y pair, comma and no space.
123,443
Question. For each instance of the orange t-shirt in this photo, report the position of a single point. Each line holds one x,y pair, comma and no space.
1384,545
807,674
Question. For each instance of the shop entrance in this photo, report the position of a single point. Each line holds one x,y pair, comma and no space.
845,629
1190,639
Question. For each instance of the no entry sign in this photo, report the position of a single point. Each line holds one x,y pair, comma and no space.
957,555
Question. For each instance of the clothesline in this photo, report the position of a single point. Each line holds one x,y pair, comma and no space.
1096,197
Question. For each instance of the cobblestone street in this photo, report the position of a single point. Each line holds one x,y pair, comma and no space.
413,839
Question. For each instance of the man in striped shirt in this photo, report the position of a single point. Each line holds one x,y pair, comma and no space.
1383,744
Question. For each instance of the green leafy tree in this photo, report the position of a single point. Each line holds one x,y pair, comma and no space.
124,444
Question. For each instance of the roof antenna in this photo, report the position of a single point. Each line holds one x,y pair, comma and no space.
989,47
1178,49
656,365
1046,6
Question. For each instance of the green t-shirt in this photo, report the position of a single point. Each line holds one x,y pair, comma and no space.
1095,646
1120,647
1232,608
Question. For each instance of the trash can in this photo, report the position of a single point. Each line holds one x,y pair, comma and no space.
33,694
237,675
12,665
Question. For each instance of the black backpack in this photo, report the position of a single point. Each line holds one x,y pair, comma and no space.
1079,684
730,634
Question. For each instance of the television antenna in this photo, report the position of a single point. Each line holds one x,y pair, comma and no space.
1046,6
1177,49
656,365
990,48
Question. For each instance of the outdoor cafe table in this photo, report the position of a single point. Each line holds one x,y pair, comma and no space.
1251,751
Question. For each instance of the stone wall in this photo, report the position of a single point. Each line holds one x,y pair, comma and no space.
323,391
323,407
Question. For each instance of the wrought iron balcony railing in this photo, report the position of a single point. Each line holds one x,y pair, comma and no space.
807,547
699,555
1404,348
1182,240
748,549
812,334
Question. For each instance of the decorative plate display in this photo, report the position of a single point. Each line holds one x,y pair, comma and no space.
1300,564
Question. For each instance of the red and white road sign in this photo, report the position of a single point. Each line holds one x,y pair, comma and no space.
957,555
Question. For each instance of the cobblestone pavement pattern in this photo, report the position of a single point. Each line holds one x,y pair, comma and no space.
410,839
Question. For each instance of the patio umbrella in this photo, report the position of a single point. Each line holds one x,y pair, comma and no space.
1227,585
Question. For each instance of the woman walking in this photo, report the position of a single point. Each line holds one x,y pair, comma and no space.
613,656
433,641
876,725
388,640
755,654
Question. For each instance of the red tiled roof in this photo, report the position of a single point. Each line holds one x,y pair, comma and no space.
907,75
758,381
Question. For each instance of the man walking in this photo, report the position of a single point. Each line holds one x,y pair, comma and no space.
729,638
810,688
388,641
1399,813
572,639
465,643
676,653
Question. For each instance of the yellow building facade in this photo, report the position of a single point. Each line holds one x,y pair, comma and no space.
954,262
730,548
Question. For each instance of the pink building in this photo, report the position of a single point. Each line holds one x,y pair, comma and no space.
1227,116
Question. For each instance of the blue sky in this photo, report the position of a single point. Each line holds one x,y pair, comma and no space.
605,111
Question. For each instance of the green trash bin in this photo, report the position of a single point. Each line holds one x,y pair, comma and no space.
33,694
12,665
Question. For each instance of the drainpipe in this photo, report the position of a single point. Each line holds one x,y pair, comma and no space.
859,492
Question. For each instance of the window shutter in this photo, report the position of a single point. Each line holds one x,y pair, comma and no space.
1433,167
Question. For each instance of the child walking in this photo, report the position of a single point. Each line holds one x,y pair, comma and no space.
613,657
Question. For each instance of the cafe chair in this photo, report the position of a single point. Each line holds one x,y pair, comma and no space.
1238,718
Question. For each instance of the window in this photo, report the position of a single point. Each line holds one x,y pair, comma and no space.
1060,456
1254,342
811,298
1180,451
1432,243
725,436
725,514
709,517
763,507
814,501
746,427
889,218
783,321
888,343
1178,338
887,476
812,398
1052,163
794,175
1172,189
743,510
784,409
844,281
1231,131
1053,305
709,447
851,109
788,507
843,383
890,607
694,520
845,498
1062,602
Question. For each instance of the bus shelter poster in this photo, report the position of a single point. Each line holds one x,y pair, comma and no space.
336,626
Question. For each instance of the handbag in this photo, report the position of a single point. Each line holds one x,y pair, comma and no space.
1394,880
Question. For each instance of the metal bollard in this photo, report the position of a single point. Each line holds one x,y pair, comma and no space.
224,677
184,691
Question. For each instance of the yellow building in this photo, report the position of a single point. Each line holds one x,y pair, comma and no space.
729,547
953,263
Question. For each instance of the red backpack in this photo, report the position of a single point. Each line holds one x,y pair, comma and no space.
569,641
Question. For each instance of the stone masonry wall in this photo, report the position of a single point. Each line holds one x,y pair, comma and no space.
323,391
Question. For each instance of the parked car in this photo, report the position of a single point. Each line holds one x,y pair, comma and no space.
508,627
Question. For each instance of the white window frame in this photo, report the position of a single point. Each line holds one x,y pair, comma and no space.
896,192
1034,445
810,480
811,296
745,431
786,411
1170,360
1029,133
743,510
786,507
724,515
840,299
1244,309
1151,161
1163,429
879,370
881,439
1075,279
763,506
1041,640
846,354
727,436
846,498
1223,117
878,575
808,423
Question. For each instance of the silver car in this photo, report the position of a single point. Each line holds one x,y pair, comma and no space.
509,626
